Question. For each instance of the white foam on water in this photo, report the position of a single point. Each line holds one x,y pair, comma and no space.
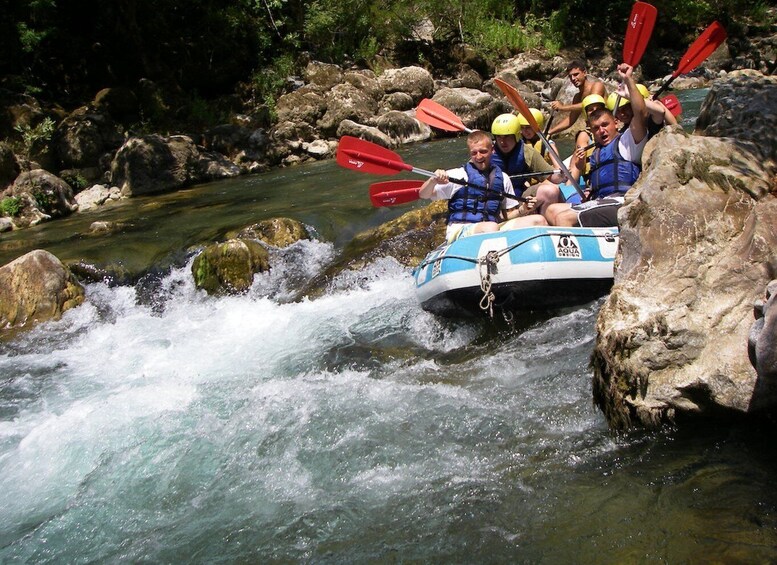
202,413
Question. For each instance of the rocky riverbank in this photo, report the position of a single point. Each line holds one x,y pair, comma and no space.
94,155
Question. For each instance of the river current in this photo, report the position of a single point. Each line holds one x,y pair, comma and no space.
157,424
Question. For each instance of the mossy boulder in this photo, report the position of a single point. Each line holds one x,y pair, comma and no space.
229,267
407,239
278,232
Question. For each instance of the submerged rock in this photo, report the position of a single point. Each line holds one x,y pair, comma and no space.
407,239
229,267
34,288
278,232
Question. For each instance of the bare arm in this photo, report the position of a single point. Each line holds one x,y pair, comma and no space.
659,113
565,122
638,125
427,189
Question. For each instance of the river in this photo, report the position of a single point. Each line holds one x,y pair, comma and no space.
156,424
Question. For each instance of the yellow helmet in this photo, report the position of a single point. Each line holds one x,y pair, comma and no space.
538,117
643,91
611,101
506,124
592,99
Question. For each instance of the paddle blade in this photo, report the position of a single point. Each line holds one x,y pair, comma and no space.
438,116
394,192
710,39
367,157
672,104
517,101
638,32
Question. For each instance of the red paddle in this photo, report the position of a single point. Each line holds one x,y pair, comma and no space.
638,32
438,116
367,157
709,40
394,192
672,104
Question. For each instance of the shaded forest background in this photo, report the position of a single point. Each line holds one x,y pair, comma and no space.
63,51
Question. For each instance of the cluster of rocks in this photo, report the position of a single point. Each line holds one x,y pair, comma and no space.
92,155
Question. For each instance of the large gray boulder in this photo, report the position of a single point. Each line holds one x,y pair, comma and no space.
306,104
44,196
346,102
85,136
726,112
153,164
697,246
403,128
370,133
477,109
36,287
415,81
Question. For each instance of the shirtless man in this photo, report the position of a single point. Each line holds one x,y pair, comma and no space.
586,86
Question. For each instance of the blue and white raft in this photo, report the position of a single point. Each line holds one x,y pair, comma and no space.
533,268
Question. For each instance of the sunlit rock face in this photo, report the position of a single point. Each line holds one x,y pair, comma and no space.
698,246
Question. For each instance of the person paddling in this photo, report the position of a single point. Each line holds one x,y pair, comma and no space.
481,207
615,163
516,157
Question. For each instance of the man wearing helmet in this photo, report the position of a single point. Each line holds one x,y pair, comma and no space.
658,114
585,138
615,164
515,157
485,199
577,74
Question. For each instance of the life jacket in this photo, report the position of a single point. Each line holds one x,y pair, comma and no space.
610,172
514,163
480,203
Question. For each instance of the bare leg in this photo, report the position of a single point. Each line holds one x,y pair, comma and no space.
524,222
561,215
547,194
485,227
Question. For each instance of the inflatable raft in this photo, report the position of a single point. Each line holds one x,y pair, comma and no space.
525,269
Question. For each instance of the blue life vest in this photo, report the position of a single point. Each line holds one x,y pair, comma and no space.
477,204
514,163
610,172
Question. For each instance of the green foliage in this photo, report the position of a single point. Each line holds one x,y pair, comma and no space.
29,39
270,82
72,49
32,135
44,200
10,206
495,37
75,179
